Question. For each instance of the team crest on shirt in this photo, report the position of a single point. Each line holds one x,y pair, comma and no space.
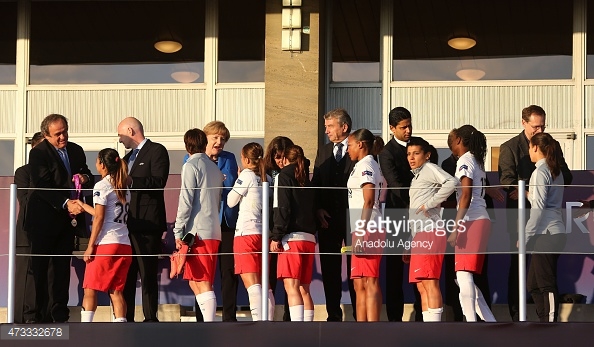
367,173
463,167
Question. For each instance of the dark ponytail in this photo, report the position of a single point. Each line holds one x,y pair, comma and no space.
117,170
254,152
294,154
550,148
475,141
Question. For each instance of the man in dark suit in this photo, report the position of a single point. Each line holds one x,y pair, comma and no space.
396,171
515,165
148,168
51,215
332,169
24,301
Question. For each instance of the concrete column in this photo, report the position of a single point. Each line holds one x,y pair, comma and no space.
294,82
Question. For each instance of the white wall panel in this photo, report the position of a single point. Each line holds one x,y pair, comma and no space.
364,105
7,111
589,107
485,107
100,111
241,109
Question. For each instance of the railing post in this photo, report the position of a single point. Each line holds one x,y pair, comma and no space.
265,249
522,248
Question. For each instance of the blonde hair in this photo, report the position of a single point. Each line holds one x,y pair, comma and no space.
217,127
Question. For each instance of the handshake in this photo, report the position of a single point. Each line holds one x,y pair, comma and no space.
75,207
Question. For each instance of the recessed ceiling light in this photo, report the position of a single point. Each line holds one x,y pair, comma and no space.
461,43
168,46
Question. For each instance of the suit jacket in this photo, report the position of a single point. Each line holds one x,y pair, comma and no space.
396,171
45,215
515,164
228,166
22,178
150,170
329,173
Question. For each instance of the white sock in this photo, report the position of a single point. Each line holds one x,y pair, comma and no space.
271,304
308,315
296,313
467,295
120,320
482,309
86,316
425,316
255,297
208,305
433,315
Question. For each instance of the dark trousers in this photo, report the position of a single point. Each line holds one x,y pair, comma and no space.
25,307
52,275
542,275
143,243
330,242
452,291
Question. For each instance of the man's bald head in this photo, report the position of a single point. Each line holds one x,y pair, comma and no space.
130,132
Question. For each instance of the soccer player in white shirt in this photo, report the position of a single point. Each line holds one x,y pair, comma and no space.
364,187
247,244
474,226
108,255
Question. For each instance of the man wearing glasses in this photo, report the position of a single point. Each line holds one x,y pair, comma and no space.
515,165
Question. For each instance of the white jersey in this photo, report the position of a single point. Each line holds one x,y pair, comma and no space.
248,190
114,228
469,167
366,170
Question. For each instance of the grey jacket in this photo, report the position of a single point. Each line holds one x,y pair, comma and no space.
546,199
430,186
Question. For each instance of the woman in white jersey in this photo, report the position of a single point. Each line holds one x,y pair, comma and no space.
108,253
247,244
545,231
364,187
430,186
472,220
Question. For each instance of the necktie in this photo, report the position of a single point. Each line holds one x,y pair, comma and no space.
64,156
132,158
338,155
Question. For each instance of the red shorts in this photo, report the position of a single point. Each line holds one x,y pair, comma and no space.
471,246
365,266
201,267
426,261
248,254
109,269
293,263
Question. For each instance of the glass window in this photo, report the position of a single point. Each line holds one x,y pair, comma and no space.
241,41
114,42
514,40
7,158
8,18
356,41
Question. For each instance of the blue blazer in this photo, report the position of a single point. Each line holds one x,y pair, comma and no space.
228,166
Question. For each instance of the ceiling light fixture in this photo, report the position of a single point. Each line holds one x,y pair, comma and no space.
470,74
168,46
461,43
185,76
